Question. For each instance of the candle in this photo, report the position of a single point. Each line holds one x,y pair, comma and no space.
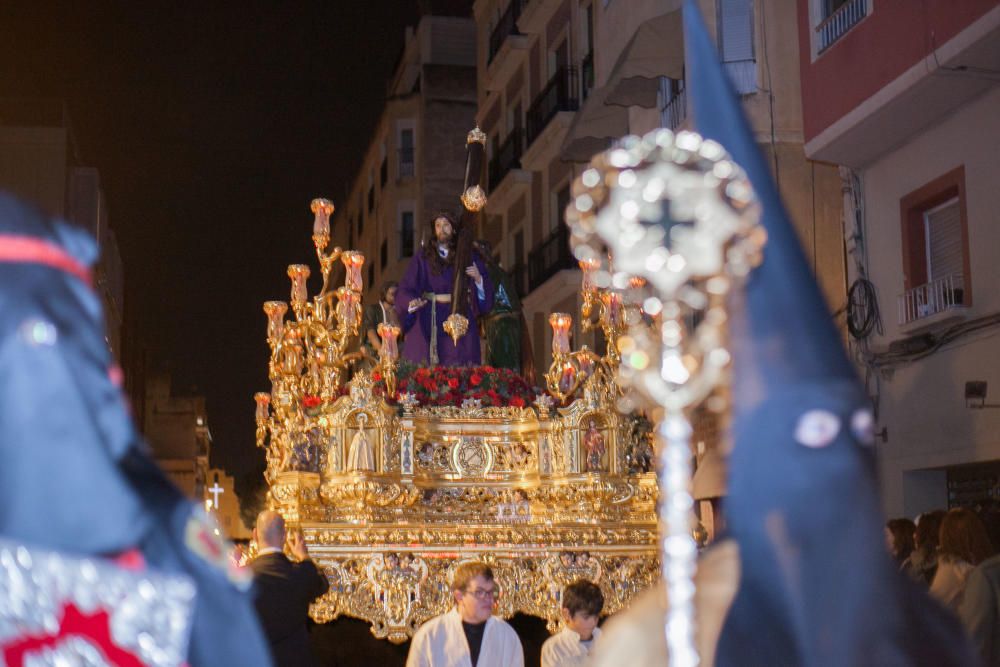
560,322
263,401
298,273
275,311
353,261
388,333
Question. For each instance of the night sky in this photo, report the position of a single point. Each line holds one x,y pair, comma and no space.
213,125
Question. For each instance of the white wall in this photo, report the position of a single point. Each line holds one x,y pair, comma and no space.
922,403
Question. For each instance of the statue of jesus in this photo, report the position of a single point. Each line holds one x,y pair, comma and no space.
423,301
593,442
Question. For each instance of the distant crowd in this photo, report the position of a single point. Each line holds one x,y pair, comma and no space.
956,554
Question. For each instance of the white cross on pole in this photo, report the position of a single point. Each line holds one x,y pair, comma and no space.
215,491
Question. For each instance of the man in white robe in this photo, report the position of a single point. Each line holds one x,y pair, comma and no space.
469,635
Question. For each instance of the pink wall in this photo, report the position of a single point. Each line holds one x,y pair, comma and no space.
894,37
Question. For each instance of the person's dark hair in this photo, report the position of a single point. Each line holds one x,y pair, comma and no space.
963,536
925,537
466,572
430,247
902,537
386,286
583,596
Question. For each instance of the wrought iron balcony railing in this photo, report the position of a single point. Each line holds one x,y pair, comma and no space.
842,20
505,27
507,157
674,112
549,258
934,297
561,93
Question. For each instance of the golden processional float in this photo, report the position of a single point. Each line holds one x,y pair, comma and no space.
392,495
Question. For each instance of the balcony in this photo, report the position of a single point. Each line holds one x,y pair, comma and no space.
508,157
549,258
518,276
837,24
936,302
535,15
674,112
506,26
586,76
549,117
507,47
743,75
506,177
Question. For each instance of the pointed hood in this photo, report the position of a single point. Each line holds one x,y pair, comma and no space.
817,585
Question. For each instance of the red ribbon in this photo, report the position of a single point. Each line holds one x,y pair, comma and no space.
31,250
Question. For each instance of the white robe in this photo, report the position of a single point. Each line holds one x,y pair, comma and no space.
440,642
564,649
360,455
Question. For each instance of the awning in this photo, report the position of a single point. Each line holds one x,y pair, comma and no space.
655,50
594,127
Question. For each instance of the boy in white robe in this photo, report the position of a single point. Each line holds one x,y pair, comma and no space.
469,635
582,602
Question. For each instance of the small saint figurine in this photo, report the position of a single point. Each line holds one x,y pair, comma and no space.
593,442
360,455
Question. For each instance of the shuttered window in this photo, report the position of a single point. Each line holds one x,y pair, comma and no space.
943,234
736,43
735,30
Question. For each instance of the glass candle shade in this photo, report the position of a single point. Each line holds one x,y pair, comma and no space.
560,322
389,333
347,306
566,377
298,273
263,400
275,311
588,267
613,308
353,261
322,208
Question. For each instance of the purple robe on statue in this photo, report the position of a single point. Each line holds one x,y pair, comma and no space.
418,283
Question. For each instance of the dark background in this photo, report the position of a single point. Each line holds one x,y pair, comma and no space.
213,125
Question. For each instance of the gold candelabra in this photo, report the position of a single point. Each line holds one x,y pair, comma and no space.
309,352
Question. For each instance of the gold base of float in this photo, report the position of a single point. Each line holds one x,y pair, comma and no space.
507,486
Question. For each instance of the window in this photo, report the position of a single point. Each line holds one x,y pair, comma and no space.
405,234
587,65
935,248
736,44
406,152
836,18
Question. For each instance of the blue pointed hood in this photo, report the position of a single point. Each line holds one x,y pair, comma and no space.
817,586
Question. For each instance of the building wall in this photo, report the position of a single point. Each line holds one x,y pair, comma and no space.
921,403
886,43
176,428
227,513
431,92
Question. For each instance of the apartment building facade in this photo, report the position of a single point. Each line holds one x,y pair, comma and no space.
560,80
415,163
905,97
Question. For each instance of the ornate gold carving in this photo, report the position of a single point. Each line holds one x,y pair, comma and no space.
442,485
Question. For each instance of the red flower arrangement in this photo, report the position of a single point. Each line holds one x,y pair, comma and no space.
441,386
